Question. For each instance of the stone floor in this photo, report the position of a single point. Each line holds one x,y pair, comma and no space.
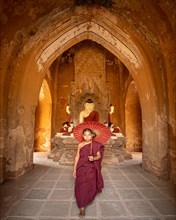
46,193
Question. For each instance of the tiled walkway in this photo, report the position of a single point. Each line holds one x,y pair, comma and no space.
46,193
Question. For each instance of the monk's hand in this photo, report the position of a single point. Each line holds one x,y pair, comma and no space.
74,173
91,158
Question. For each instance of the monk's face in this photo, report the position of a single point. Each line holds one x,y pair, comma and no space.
87,136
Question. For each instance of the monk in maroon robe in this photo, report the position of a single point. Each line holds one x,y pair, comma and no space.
87,171
64,128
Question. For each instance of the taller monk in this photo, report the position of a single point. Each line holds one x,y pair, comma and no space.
89,114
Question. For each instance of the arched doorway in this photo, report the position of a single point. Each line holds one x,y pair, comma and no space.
42,140
62,36
133,119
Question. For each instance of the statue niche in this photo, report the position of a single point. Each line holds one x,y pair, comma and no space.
79,106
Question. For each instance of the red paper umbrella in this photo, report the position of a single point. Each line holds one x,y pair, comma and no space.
102,132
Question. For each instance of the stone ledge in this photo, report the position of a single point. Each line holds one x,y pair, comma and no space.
65,149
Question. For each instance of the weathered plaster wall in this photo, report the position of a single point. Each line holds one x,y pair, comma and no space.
133,119
139,33
90,80
114,86
65,71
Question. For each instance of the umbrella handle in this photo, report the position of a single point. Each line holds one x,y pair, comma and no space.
91,148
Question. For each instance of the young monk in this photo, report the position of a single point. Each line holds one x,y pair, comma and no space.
87,170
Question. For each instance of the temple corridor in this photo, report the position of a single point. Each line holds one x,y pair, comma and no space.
46,193
110,63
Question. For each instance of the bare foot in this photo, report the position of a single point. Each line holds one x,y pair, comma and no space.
82,212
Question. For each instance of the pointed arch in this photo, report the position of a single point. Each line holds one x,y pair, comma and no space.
106,28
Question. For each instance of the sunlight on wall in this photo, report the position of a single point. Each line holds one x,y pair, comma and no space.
43,119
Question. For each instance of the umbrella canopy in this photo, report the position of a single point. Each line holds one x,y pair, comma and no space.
102,132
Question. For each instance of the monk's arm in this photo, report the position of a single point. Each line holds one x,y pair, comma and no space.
98,156
76,161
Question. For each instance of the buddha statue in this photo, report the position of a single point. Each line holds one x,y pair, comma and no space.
89,114
68,112
111,111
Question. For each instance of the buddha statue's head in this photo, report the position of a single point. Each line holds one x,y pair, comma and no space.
111,109
68,109
89,105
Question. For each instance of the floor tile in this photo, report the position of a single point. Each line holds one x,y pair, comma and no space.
148,218
55,208
111,209
66,177
118,177
140,208
135,177
165,207
108,194
65,185
123,184
44,184
55,171
50,177
128,194
19,218
162,184
38,194
26,208
142,184
61,194
108,184
152,194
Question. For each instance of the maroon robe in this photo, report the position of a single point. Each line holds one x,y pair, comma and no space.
109,118
93,116
89,180
64,130
68,118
